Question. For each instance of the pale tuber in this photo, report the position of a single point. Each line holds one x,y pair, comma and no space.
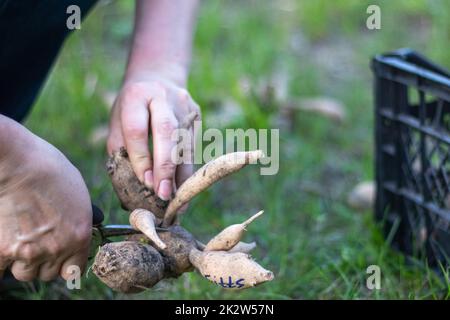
230,236
229,270
143,220
243,247
206,176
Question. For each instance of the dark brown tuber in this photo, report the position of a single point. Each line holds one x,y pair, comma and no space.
179,244
132,193
128,266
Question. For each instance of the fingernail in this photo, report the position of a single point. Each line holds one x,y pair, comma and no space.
165,189
148,179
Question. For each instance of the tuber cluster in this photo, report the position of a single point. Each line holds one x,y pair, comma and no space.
143,260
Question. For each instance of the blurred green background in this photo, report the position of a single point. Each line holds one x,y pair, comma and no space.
249,58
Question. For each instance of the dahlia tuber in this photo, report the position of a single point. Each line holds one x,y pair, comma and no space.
128,266
143,260
132,193
229,270
179,243
143,220
206,176
230,236
243,247
176,255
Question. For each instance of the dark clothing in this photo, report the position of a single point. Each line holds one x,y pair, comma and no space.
31,34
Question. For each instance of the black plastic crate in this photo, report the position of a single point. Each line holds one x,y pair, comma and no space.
412,139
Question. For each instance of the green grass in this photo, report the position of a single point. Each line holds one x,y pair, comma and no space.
318,247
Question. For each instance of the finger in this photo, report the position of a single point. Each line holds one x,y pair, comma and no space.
196,126
2,271
3,266
195,108
115,138
74,266
164,123
184,171
135,123
186,168
23,271
49,270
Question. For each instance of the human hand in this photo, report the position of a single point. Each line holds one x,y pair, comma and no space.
152,102
45,208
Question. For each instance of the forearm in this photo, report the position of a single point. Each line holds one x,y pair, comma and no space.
18,146
13,146
162,38
10,132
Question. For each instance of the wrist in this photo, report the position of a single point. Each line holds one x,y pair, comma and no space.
168,70
15,144
20,149
11,134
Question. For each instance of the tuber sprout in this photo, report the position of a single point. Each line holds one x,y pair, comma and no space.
143,220
243,247
230,236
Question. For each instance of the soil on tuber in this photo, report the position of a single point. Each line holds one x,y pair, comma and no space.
128,266
132,193
178,244
176,255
